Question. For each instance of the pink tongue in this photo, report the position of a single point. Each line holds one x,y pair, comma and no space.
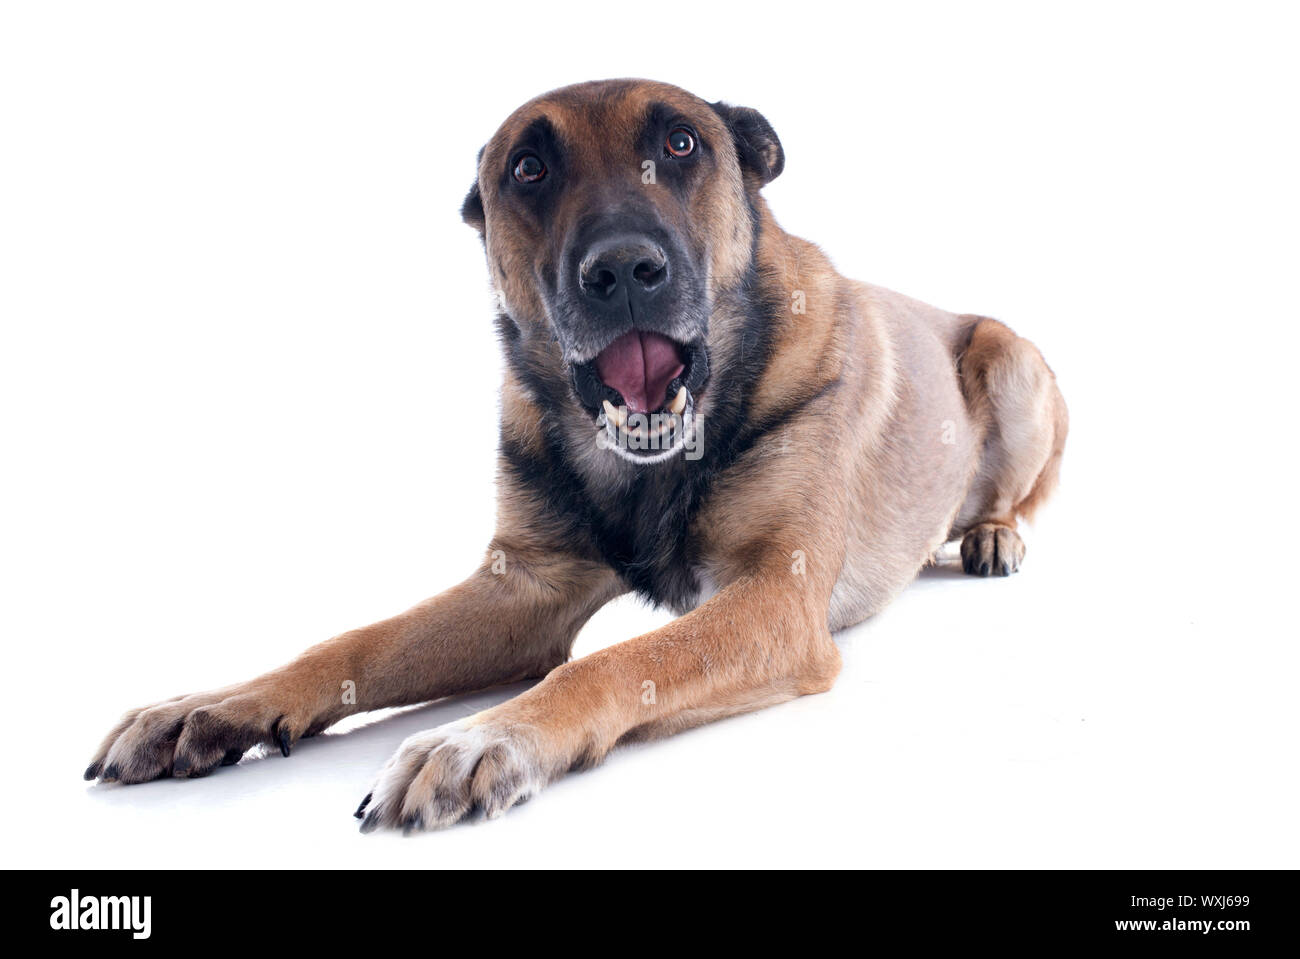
640,366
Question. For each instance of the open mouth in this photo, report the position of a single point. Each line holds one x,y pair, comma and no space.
642,388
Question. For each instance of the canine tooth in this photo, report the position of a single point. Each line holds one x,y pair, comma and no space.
614,413
679,402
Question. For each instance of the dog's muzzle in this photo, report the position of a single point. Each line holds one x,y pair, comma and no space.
633,321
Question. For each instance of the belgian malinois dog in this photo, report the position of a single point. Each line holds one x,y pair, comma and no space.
696,407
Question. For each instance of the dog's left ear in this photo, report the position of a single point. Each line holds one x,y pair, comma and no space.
757,144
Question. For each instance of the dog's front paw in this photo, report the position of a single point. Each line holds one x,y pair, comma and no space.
437,778
191,735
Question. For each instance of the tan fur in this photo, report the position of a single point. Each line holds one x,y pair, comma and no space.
895,426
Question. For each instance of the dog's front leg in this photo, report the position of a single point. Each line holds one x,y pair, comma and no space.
513,619
762,640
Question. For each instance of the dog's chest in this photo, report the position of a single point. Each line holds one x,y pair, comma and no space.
645,534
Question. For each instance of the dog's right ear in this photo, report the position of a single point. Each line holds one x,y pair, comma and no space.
471,211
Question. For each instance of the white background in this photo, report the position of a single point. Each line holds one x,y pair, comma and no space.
248,383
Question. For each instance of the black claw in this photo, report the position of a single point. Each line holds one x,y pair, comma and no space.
984,569
232,756
92,772
280,735
180,766
361,810
111,773
370,823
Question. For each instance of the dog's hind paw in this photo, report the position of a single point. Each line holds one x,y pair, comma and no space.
992,549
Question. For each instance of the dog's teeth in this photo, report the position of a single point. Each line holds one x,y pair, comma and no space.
679,402
615,414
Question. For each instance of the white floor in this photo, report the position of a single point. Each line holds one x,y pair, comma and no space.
1101,708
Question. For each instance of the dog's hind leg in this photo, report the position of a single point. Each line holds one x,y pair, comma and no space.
1014,401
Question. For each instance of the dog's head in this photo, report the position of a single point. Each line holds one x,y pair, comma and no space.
615,214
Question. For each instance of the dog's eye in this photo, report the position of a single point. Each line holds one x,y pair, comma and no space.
680,142
530,168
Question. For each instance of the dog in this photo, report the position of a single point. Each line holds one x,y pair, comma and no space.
697,408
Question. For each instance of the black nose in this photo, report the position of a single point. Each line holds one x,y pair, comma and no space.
633,264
